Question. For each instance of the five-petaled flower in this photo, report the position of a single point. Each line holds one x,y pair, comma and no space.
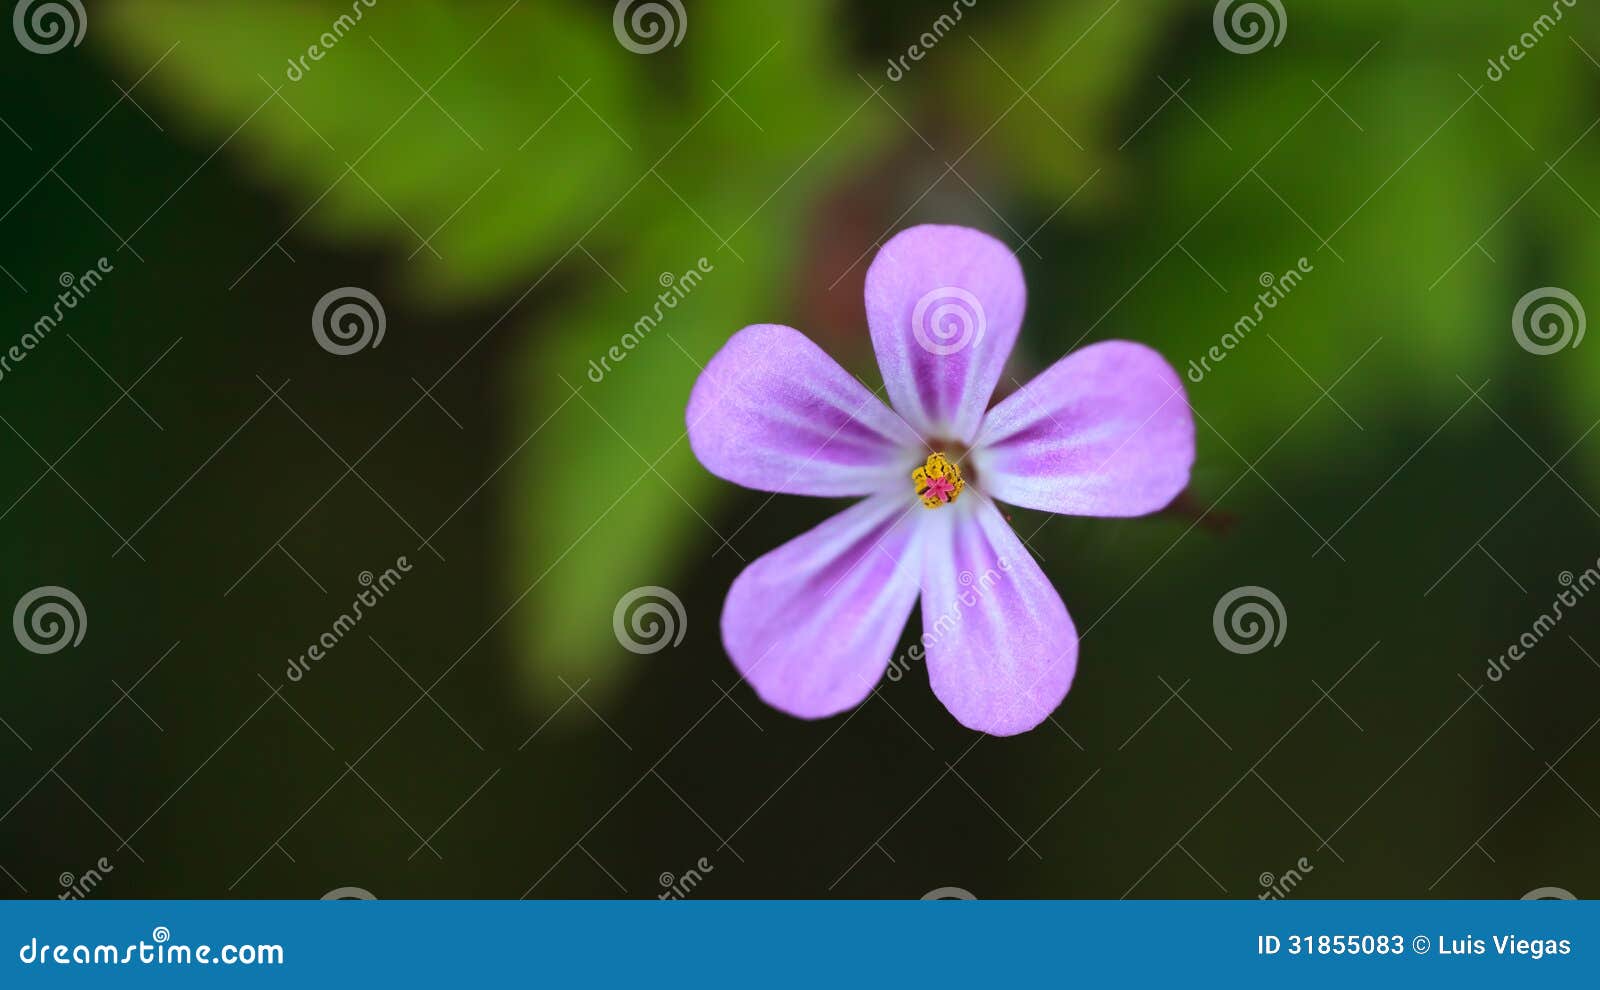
1105,431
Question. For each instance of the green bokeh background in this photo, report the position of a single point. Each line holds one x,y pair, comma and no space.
516,220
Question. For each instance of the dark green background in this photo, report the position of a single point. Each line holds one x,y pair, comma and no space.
1427,198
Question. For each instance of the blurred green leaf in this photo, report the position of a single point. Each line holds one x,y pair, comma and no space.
583,154
626,432
505,160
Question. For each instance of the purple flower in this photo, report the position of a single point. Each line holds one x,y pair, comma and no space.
1105,431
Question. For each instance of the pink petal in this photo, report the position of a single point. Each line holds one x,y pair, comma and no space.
772,411
1001,648
812,624
1105,431
944,305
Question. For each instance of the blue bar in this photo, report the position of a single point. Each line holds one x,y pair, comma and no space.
800,943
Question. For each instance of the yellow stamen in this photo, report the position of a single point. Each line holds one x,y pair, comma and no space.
938,482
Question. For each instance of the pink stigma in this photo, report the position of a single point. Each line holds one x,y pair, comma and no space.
940,487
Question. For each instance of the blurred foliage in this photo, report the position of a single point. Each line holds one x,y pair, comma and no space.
396,165
586,150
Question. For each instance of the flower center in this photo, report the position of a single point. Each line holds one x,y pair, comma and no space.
938,482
